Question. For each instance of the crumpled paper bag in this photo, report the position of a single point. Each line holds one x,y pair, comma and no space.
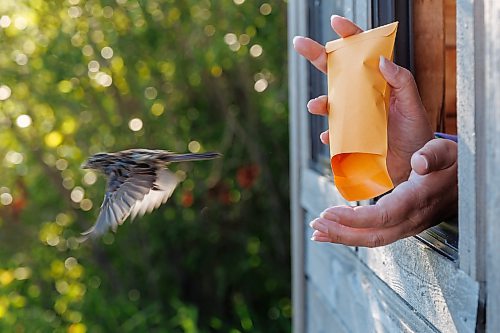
358,106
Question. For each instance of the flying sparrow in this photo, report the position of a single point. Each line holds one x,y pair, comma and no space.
138,182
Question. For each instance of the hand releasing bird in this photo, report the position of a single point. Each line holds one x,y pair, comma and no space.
138,182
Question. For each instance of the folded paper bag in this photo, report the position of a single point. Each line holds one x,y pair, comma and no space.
358,106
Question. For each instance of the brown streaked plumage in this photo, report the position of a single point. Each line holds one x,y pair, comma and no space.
138,182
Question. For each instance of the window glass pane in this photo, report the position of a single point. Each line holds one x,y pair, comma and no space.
320,30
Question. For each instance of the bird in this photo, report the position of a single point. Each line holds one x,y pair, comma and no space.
138,181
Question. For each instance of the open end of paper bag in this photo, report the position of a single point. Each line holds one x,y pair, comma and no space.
360,175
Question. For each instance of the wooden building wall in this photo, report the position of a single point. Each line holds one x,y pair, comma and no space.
407,286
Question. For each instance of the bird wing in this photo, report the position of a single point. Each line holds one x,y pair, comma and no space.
141,191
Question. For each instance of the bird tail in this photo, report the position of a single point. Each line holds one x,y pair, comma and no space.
190,157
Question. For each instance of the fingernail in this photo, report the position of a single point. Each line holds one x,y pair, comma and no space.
312,100
324,137
295,39
388,66
426,163
319,225
323,214
334,16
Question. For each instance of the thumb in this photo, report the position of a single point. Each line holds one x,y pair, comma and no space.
402,82
437,154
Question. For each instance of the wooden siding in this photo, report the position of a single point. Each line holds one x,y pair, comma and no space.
429,58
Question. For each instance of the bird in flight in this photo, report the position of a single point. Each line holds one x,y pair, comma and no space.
138,182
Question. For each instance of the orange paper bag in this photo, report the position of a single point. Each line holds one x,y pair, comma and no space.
358,106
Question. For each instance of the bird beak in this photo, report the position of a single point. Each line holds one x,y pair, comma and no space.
84,166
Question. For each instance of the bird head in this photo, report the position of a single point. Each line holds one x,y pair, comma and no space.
98,161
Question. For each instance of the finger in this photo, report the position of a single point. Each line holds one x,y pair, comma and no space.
312,51
319,236
318,105
357,217
402,82
437,154
344,27
390,210
373,237
324,137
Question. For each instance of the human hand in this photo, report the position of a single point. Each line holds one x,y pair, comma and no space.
429,196
408,126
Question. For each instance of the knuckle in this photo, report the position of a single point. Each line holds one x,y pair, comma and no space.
376,240
405,77
337,238
336,234
385,219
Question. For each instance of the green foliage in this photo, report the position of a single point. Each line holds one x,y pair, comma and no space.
82,76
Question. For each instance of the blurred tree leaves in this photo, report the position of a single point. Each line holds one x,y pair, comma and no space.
82,76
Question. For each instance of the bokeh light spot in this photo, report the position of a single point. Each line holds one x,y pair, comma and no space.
86,205
107,52
209,30
53,139
21,59
62,287
230,38
150,93
89,178
65,86
6,277
22,273
23,121
52,239
194,146
244,39
157,109
6,199
5,21
14,157
266,9
5,92
75,12
20,23
104,79
216,71
70,263
256,50
135,124
61,164
77,328
107,12
93,66
77,194
87,50
261,85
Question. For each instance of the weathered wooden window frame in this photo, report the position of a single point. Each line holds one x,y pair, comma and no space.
419,276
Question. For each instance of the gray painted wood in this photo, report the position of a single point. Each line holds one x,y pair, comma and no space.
466,122
346,289
320,317
319,193
297,100
430,283
489,158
